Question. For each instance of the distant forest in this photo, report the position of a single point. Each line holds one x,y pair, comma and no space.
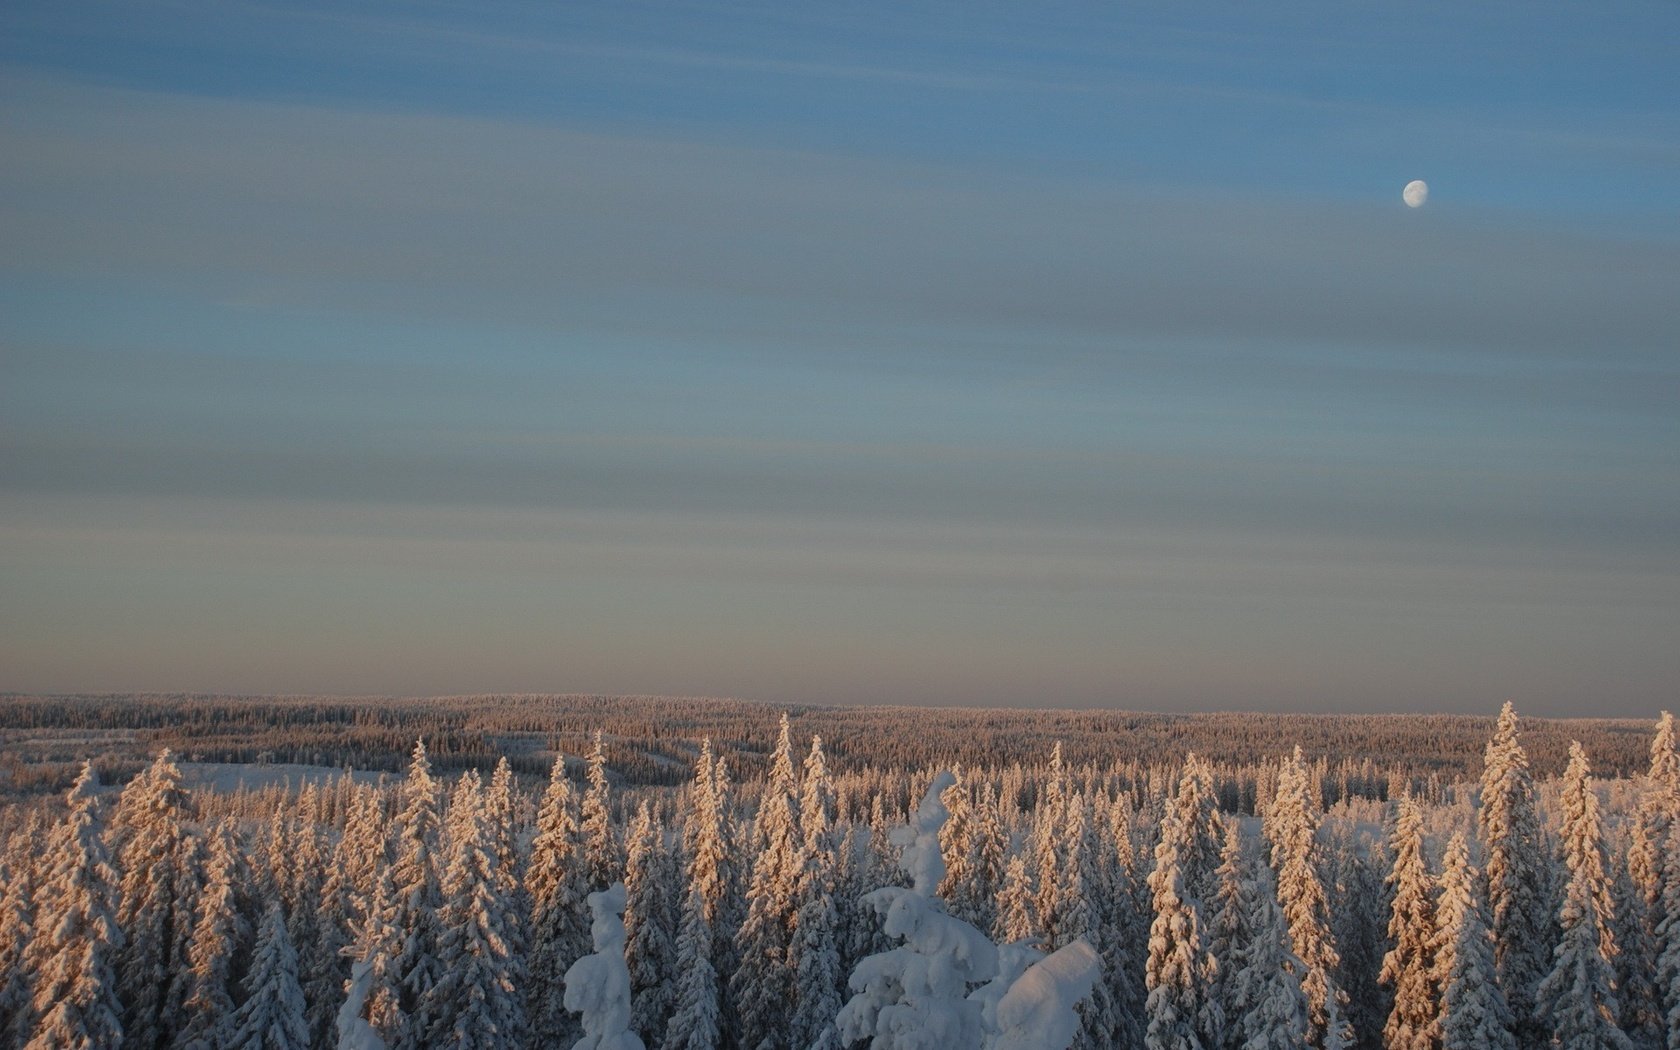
654,740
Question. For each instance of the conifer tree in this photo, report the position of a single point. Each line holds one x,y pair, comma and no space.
475,1002
557,884
1409,967
1014,921
73,954
650,940
160,887
1233,910
17,929
703,937
1180,973
272,1015
1267,1007
1291,824
1517,877
1129,916
373,977
958,842
1578,998
762,986
417,896
1050,851
1668,938
698,1021
503,823
1473,1012
813,954
222,940
601,858
1357,881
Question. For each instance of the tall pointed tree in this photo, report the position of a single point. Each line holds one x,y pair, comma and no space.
73,954
1409,967
272,1015
704,942
418,898
762,986
1180,972
1292,826
1516,861
1578,998
649,923
475,1002
160,885
1473,1011
222,940
814,953
557,883
1267,1007
601,856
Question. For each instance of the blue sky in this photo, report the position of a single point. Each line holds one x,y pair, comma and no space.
1061,354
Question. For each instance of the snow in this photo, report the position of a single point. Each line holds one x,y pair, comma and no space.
598,986
1040,1009
354,1033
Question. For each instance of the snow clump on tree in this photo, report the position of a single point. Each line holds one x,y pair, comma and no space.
598,986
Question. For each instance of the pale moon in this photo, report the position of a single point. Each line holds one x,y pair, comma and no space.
1415,193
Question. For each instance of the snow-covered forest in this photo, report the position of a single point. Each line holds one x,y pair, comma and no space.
778,896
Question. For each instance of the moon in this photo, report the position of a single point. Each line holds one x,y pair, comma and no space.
1415,193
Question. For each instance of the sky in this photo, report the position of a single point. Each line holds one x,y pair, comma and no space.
1053,354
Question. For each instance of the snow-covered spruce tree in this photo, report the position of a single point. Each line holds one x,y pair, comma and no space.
373,998
1087,921
351,881
314,937
650,940
1642,909
814,954
475,1001
1051,851
1180,973
1473,1012
1266,1008
1129,914
160,886
1014,908
73,954
1291,823
1668,937
990,845
557,884
1657,804
762,986
1636,954
1356,879
1198,801
1517,877
961,888
598,985
1409,967
272,1015
1233,911
601,856
1578,998
703,938
417,898
221,944
17,928
499,813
